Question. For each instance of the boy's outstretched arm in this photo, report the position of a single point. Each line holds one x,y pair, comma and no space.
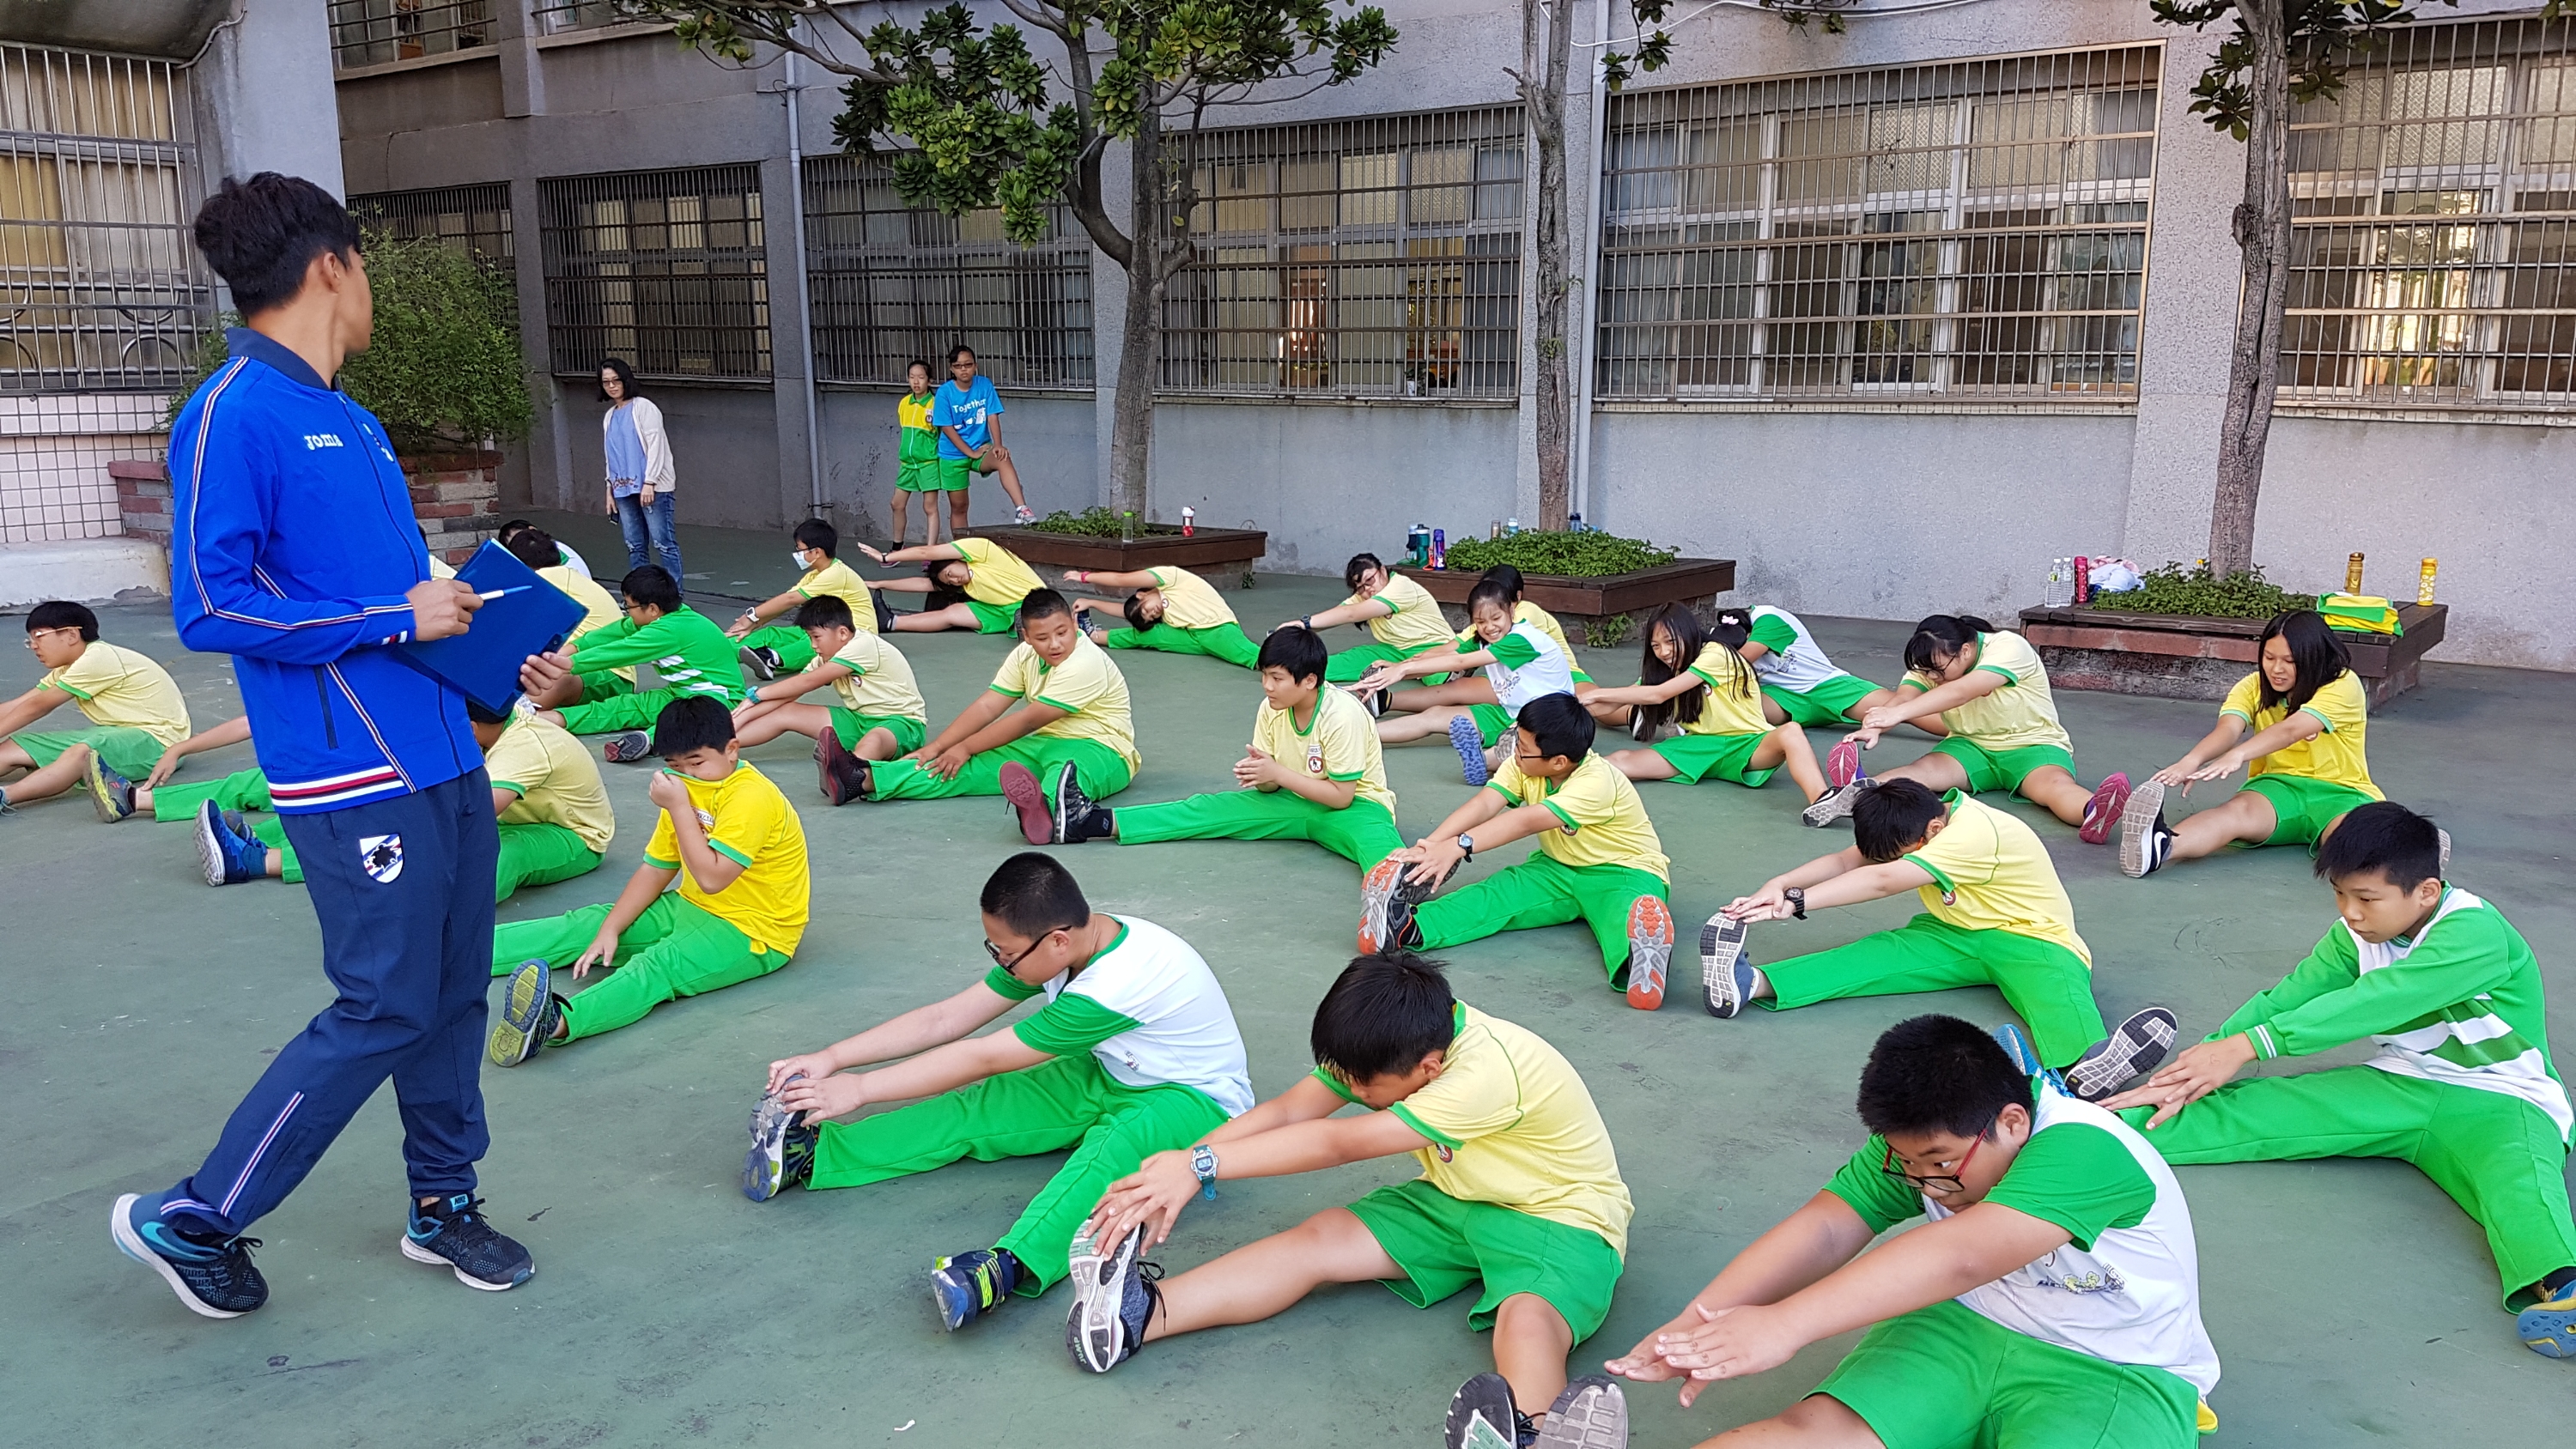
1818,1238
940,1069
643,888
28,708
1152,1196
1492,819
1840,879
797,686
233,731
917,1030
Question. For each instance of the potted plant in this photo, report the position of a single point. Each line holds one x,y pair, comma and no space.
1601,580
1108,541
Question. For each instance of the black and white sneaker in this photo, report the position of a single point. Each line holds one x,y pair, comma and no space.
2134,1048
1114,1297
762,661
453,1232
626,746
2146,842
1072,809
1481,1415
1836,803
1374,702
1725,967
1644,724
782,1149
1388,894
1592,1413
216,1279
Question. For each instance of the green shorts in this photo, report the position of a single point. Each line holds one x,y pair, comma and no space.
917,475
995,618
1945,1377
958,474
128,751
1991,770
1443,1244
2303,807
1828,703
1696,757
1492,722
852,726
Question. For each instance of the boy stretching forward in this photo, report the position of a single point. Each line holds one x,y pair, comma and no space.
772,649
1312,772
1172,610
2053,1297
690,655
880,715
1599,860
2462,1085
1995,914
738,851
1519,1192
1134,1052
134,709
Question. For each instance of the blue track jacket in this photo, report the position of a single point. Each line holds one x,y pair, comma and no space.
292,548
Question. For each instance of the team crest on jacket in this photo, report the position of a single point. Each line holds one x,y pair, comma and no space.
381,855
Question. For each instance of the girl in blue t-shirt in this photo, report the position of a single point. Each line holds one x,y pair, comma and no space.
967,413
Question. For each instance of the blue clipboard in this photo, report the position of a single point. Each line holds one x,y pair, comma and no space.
483,662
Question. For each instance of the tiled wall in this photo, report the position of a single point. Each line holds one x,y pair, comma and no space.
54,452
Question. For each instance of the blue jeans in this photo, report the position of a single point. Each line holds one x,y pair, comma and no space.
411,958
650,535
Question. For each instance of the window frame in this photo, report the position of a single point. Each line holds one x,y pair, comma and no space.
582,279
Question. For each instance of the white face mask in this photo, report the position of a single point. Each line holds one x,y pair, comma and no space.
797,558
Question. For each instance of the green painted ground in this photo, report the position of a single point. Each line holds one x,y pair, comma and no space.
2350,1301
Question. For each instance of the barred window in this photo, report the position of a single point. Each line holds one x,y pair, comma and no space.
372,32
664,268
1379,256
99,286
473,219
892,283
2433,245
1961,230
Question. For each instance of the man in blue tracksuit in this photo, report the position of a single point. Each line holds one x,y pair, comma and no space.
294,550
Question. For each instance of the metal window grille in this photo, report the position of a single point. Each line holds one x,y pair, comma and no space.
892,283
667,269
372,32
554,17
1972,229
1368,257
473,219
2433,245
100,289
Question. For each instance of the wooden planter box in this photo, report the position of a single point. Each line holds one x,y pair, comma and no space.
2181,657
1693,581
1222,556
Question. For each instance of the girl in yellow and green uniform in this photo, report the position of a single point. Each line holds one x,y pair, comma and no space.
916,456
991,578
1692,674
1172,610
1401,615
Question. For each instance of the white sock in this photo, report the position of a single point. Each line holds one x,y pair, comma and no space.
1761,986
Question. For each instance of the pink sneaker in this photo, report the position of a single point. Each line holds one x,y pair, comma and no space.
1842,764
1028,801
2102,812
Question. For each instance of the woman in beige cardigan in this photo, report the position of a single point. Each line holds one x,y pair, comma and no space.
639,471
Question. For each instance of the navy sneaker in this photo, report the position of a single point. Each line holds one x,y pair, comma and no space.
782,1149
1388,895
969,1285
1481,1415
626,746
109,792
1076,816
762,661
1469,742
454,1233
226,850
530,1012
2134,1047
1725,969
1592,1413
214,1278
1114,1297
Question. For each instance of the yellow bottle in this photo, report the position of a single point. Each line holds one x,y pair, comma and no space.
2352,575
2424,583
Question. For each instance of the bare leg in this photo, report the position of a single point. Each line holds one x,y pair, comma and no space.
1817,1422
1643,765
2244,816
1531,1340
931,621
1936,771
1788,745
1008,472
2054,789
1397,730
903,515
958,502
48,782
1474,690
1262,1279
878,744
809,720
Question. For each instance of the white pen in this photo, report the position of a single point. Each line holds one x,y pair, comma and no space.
489,595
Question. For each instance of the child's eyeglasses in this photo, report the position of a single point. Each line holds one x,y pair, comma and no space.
35,634
1944,1183
996,952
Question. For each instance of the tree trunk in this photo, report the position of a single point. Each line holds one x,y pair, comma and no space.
1131,427
2262,227
1546,47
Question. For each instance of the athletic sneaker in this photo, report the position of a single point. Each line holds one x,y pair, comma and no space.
1114,1297
226,850
844,776
2102,812
1375,703
1481,1415
2018,1046
2146,842
969,1285
215,1278
626,746
1592,1413
1650,951
2549,1326
1842,764
762,661
1469,742
530,1012
1387,898
1725,968
1836,803
782,1148
2134,1047
111,793
1028,803
1076,818
1023,515
453,1231
1643,725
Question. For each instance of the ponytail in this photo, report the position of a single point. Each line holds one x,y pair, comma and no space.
1940,636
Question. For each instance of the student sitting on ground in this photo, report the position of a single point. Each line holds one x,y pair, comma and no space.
1693,675
690,655
2304,764
565,555
1799,681
738,851
880,715
1402,617
1312,772
2462,1085
770,649
1598,862
1474,688
1519,1193
1133,1052
1070,741
1520,663
133,706
537,549
1172,610
1995,915
2051,1299
985,581
119,798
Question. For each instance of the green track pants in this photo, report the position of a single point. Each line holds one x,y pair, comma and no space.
1223,641
1102,770
2048,986
674,949
1542,891
795,647
1362,832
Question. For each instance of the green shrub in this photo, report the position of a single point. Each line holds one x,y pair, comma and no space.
1094,522
2174,589
1564,555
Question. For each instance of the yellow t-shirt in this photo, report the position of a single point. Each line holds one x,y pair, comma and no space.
2336,756
841,582
1605,822
749,822
2017,716
1190,602
114,685
557,781
913,412
1524,612
1339,743
1416,623
1510,1123
999,576
1991,873
1087,685
1733,704
880,680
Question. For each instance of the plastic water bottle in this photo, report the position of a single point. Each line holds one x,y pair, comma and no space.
1189,521
1439,548
1511,527
2083,581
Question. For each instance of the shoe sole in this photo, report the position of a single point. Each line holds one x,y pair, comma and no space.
1469,742
828,754
2548,1331
1589,1415
1650,952
2138,817
1020,787
2103,812
131,1244
1486,1398
1099,1291
1059,828
419,1254
766,1164
101,798
751,660
1721,960
2136,1046
210,849
1377,891
1842,764
522,1009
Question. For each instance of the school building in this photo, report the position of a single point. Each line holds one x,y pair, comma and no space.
1893,316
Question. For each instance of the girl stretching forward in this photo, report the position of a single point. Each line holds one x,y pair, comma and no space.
1692,674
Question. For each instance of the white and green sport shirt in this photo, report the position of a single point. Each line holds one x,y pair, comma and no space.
1794,662
1148,1009
1527,665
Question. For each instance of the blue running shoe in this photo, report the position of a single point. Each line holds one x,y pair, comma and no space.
969,1285
2549,1327
453,1233
530,1012
2017,1045
226,850
1114,1297
1469,742
111,793
212,1278
1725,969
782,1148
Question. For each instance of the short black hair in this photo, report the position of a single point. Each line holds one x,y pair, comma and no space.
625,377
1134,610
1043,604
1382,1015
1939,636
64,614
958,351
921,362
260,235
692,722
652,584
1490,592
510,530
482,716
1938,1074
534,547
1034,894
2386,837
815,533
825,611
1295,648
1891,817
1359,564
1560,724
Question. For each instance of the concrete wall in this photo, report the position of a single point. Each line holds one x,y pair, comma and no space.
264,95
724,448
